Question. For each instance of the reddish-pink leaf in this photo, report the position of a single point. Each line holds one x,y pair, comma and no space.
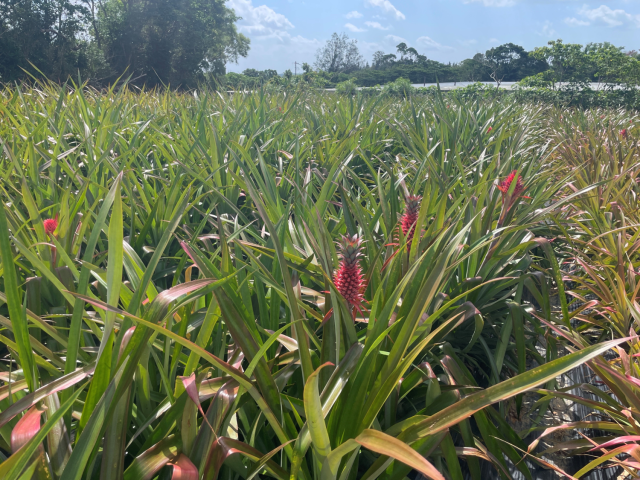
223,447
31,399
235,356
149,463
485,455
384,444
163,299
125,340
26,428
633,450
184,288
216,414
211,386
184,469
220,451
608,426
627,463
192,390
238,361
617,441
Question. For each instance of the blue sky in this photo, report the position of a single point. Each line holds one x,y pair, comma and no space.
284,31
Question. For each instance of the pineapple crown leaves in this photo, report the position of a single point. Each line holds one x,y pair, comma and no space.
350,248
412,205
413,201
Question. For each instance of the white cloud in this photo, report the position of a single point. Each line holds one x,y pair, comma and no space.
547,30
493,3
353,28
494,41
272,44
608,17
429,43
376,25
354,14
394,39
387,7
261,20
575,22
468,43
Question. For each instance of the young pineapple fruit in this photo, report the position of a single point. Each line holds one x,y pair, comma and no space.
348,278
410,217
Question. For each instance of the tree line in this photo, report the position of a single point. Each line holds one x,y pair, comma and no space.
340,60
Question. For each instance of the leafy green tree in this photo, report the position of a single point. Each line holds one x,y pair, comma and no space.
155,41
169,41
308,74
251,72
566,61
596,62
473,69
42,33
512,62
340,54
383,60
609,65
413,54
401,48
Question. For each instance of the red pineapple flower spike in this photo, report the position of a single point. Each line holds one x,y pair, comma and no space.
50,225
348,278
410,216
505,186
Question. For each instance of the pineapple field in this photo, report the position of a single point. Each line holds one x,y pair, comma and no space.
305,285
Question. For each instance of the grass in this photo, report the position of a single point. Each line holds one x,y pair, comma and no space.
181,313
